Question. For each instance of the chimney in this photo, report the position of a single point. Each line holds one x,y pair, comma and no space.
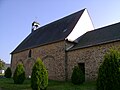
35,25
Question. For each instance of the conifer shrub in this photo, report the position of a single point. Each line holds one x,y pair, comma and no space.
39,77
19,74
109,72
78,77
8,72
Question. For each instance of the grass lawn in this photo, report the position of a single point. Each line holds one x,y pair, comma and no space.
7,84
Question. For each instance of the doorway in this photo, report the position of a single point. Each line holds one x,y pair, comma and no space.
82,67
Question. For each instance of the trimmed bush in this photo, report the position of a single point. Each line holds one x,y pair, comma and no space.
39,77
78,77
19,74
109,72
8,72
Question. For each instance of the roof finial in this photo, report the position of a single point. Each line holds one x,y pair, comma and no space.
35,25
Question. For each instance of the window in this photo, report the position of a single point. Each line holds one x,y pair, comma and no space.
29,54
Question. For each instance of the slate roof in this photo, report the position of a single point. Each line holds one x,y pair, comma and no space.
99,36
49,33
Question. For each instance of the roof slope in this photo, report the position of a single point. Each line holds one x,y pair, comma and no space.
99,36
52,32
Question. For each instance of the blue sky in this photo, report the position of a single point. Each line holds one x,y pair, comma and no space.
16,17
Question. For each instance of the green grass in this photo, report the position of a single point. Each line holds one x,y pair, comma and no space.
57,85
7,84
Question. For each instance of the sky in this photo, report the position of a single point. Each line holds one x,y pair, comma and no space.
16,17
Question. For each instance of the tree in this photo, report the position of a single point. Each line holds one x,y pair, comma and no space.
2,64
109,72
19,74
39,77
78,77
8,72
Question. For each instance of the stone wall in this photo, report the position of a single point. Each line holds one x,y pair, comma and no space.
18,58
53,56
92,57
55,59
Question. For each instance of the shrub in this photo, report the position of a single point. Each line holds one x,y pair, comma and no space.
109,72
78,77
19,74
8,72
39,77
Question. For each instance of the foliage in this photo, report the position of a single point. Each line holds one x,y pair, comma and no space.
78,77
109,72
8,72
39,77
2,64
19,74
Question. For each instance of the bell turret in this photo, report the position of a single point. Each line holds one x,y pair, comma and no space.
35,25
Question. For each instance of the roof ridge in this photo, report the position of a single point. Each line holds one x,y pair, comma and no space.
62,18
107,26
102,27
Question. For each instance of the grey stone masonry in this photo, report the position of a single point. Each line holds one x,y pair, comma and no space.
92,57
51,54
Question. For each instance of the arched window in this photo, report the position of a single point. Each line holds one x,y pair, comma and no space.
29,54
